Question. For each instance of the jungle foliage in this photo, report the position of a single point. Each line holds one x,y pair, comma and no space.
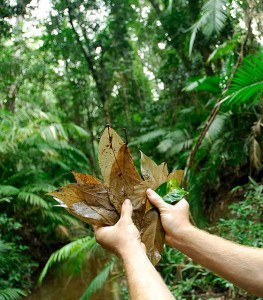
185,78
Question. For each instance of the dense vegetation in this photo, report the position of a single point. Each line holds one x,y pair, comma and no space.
185,78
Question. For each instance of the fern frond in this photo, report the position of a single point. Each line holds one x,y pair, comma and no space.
222,50
152,135
12,294
53,132
60,217
76,130
40,187
175,142
217,126
98,281
247,84
66,252
8,190
207,84
213,18
33,199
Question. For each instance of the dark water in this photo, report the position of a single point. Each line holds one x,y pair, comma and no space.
71,287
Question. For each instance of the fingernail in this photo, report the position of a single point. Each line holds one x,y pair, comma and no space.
127,202
149,192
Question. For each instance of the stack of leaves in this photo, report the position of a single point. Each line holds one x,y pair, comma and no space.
99,203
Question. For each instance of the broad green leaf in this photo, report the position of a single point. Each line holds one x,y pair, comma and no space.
171,192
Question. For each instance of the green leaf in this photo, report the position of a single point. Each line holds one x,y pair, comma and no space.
8,190
66,252
175,195
212,20
222,50
247,84
207,84
12,294
171,192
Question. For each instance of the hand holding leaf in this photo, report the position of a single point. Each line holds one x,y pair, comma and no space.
98,203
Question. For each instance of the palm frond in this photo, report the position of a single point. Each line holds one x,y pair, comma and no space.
247,84
60,217
66,252
213,18
12,294
217,126
207,84
98,281
152,135
76,130
175,142
33,199
222,50
8,190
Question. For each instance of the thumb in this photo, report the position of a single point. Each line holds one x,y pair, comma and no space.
126,209
156,200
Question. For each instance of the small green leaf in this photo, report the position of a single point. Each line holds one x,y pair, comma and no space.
175,195
171,192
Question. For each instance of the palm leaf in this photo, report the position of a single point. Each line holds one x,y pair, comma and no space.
207,84
12,294
8,190
33,199
212,20
66,252
247,84
98,281
148,137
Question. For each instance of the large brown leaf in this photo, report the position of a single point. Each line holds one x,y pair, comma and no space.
153,235
156,174
123,177
89,202
85,178
109,146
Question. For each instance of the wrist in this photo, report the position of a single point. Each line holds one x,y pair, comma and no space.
131,252
181,236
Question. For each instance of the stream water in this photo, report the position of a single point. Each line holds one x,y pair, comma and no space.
71,287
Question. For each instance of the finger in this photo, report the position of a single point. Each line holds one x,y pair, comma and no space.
182,204
156,200
126,209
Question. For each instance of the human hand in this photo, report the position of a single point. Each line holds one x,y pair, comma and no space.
123,239
174,218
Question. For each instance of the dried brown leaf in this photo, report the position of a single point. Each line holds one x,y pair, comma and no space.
153,235
109,146
123,178
157,174
88,202
85,178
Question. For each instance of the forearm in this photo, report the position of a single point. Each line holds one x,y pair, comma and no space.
238,264
144,281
